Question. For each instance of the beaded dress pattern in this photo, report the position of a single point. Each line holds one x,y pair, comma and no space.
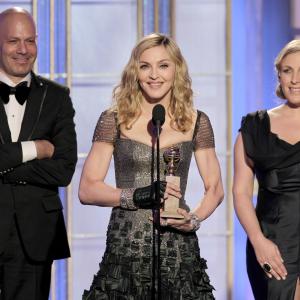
126,268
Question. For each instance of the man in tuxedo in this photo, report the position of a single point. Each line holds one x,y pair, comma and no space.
38,154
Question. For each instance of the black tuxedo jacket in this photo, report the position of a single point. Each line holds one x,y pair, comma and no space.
30,190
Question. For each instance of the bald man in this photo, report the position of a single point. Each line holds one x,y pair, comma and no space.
37,155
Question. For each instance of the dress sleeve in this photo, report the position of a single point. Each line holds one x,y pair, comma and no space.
246,124
203,134
251,131
106,128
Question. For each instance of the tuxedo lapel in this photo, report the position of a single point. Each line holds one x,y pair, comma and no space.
33,108
5,136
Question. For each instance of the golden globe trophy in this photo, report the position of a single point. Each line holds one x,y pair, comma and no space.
172,159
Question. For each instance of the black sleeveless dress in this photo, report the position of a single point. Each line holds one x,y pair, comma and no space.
277,168
126,267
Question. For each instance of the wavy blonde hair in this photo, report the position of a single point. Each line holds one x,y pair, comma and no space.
291,47
127,94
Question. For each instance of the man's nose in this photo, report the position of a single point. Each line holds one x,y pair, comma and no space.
22,48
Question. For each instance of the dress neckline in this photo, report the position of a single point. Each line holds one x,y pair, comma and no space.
276,135
178,144
196,127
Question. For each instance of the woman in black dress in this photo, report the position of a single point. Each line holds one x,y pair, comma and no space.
156,73
268,148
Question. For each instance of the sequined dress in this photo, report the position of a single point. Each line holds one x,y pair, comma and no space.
126,268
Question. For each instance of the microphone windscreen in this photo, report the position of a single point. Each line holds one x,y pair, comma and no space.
158,115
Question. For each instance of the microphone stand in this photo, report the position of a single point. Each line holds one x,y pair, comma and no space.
157,278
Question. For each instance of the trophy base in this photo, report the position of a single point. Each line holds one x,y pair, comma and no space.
171,214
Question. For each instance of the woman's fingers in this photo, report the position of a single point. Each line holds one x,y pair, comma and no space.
172,189
183,224
278,269
275,270
271,261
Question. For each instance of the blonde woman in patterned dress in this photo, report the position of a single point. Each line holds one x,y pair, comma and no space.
156,73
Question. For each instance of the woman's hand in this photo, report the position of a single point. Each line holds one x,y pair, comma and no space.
145,197
172,190
184,224
268,255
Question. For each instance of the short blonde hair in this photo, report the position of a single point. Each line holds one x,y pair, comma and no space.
291,47
127,94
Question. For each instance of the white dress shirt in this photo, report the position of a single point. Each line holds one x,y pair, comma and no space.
15,113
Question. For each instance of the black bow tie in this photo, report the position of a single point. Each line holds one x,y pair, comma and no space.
21,92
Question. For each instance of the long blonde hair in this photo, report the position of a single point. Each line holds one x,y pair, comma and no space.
291,47
127,94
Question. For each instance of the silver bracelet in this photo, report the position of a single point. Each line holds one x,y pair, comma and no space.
126,199
195,221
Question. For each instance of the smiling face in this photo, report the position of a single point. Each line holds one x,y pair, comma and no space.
18,48
289,77
156,74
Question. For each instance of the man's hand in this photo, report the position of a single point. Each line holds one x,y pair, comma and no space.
44,149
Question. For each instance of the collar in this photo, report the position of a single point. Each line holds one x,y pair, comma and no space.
4,78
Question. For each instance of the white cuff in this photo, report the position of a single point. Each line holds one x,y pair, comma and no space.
28,150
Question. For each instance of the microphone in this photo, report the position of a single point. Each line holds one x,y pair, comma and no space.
158,115
158,119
